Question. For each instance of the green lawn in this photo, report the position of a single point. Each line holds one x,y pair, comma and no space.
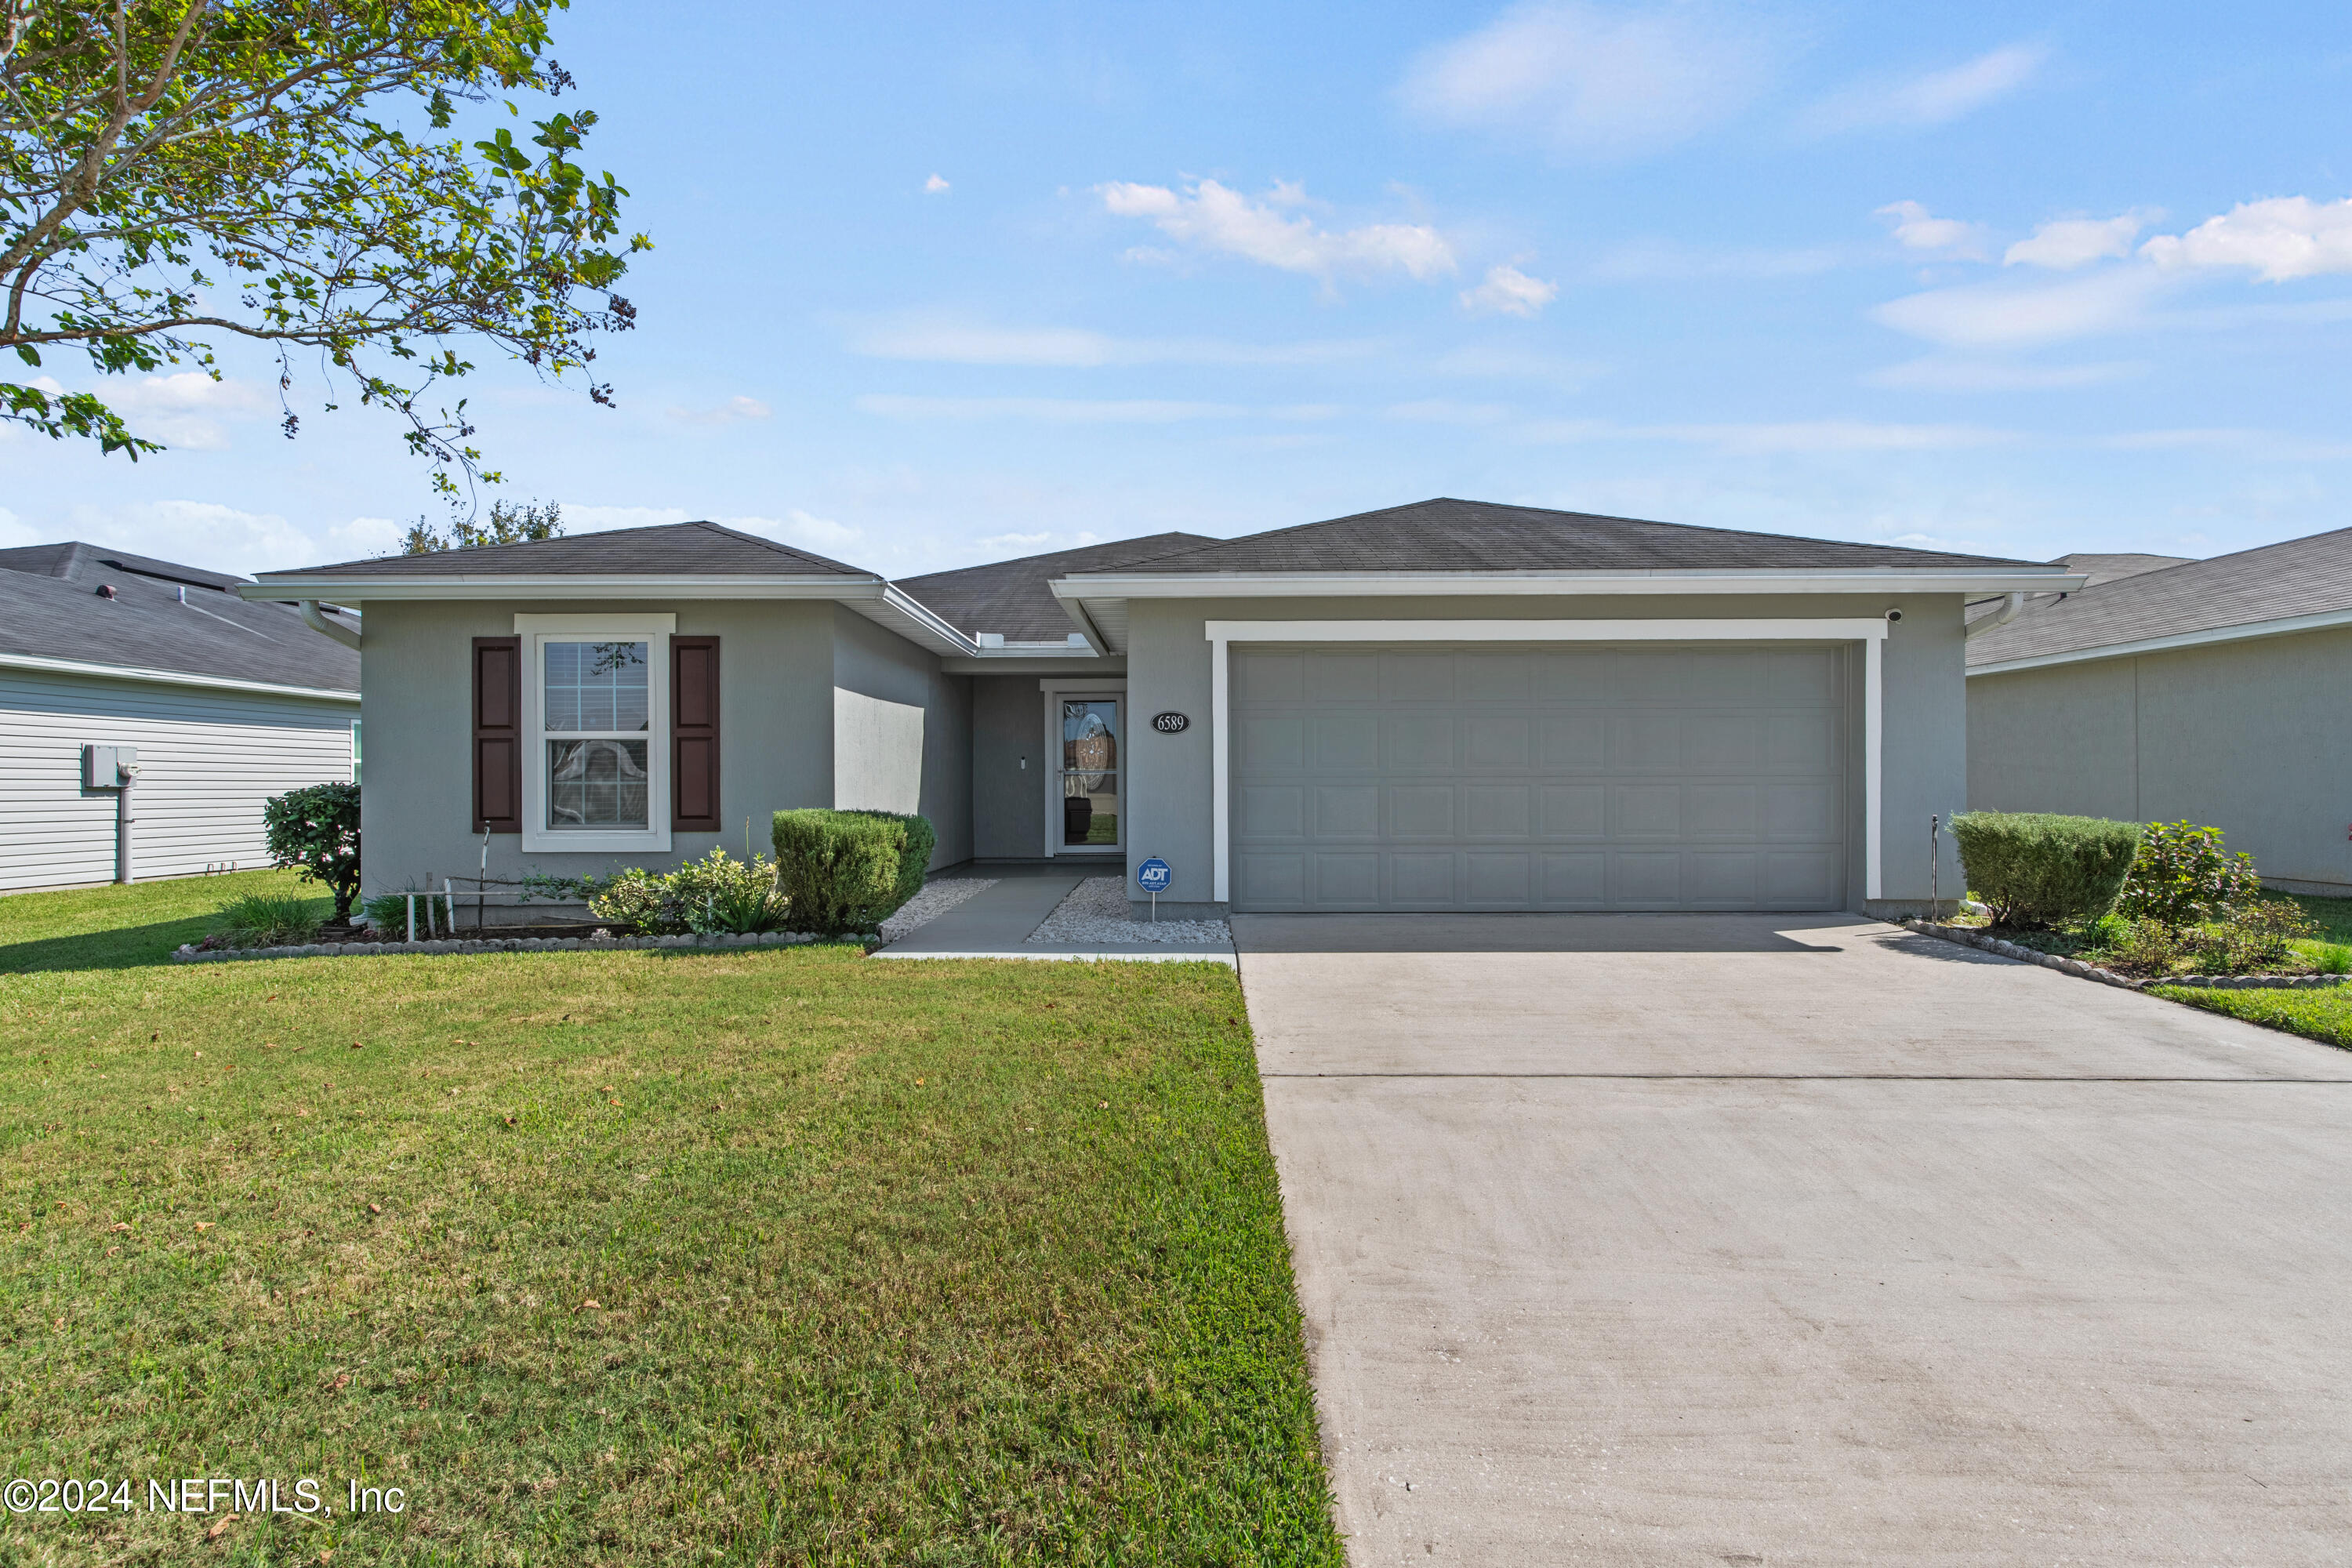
773,1256
2321,1014
2333,916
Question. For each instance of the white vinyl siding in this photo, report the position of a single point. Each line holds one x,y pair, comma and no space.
207,761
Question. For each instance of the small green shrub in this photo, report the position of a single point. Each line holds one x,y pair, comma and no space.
634,899
316,831
2038,869
2143,947
715,895
849,871
265,919
2332,958
2182,875
2257,936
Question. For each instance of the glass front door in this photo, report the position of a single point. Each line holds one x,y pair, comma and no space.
1088,773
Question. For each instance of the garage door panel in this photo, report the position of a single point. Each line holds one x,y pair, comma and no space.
1421,811
1347,811
1347,742
1498,811
1419,741
1583,777
1425,879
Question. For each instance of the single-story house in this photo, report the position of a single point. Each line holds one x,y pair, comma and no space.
1445,706
2203,690
224,700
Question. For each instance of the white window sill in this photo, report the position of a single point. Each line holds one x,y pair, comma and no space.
545,842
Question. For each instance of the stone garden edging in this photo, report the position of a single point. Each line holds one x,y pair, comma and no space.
189,954
2075,966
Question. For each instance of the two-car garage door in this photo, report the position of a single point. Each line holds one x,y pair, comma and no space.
1507,777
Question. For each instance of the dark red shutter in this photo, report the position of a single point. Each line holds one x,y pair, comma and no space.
694,734
497,734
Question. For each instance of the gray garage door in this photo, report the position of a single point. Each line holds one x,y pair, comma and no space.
1579,777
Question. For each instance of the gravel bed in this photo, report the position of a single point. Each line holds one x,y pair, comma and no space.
1096,912
936,899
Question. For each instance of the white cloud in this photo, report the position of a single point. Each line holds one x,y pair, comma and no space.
2281,239
1815,435
1208,217
960,342
1935,97
1509,292
935,186
366,536
1934,373
1596,81
1047,410
186,409
728,413
2074,242
2005,315
195,533
1917,229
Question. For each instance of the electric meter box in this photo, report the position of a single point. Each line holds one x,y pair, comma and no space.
108,767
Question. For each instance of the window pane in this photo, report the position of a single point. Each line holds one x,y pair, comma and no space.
596,785
597,686
1090,809
1090,770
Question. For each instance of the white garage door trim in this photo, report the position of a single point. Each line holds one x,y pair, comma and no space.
1870,632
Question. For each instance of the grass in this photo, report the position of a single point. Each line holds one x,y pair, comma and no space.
761,1256
2321,1014
2333,916
124,926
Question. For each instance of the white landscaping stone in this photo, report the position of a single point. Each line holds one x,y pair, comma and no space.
932,900
1096,914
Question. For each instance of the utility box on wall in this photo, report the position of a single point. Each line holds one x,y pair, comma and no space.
108,767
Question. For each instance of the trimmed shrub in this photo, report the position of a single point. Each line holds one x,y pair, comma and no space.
265,919
714,894
2182,875
2039,869
849,870
317,832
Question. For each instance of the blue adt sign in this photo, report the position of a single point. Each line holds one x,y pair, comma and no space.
1153,876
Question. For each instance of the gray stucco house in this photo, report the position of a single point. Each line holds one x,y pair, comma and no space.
2163,690
1440,706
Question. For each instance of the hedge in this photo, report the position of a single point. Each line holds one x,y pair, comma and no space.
849,871
2038,869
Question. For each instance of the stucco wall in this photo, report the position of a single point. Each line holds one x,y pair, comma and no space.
901,732
2247,737
776,664
1010,765
1924,757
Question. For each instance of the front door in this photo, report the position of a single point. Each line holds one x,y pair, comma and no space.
1087,777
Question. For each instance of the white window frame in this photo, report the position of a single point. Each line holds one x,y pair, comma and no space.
1870,633
537,632
1057,692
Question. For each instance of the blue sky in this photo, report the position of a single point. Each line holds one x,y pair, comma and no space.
943,284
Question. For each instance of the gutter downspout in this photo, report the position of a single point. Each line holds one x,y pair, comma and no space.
317,621
2012,608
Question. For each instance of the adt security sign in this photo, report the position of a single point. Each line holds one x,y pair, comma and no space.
1153,876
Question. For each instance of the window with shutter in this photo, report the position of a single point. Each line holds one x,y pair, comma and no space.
497,734
694,734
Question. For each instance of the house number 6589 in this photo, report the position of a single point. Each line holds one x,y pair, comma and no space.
1169,724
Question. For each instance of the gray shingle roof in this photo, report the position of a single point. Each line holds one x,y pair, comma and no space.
2109,568
667,549
2276,581
50,608
1447,535
1010,596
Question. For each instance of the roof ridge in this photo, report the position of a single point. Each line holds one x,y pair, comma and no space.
780,547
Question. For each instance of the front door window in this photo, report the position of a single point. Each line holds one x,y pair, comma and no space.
1090,771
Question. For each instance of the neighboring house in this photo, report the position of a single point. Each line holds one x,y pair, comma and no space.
1437,707
227,702
2204,690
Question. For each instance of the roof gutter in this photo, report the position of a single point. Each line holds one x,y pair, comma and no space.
2009,610
1399,585
171,678
319,623
2245,632
297,585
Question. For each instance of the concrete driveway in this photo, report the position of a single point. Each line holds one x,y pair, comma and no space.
1738,1240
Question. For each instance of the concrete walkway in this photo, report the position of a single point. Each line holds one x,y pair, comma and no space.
997,923
1655,1239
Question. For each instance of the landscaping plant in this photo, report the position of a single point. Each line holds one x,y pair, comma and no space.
265,919
2257,935
316,831
847,871
2039,869
2182,875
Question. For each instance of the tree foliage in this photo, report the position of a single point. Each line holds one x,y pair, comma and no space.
316,831
175,172
508,523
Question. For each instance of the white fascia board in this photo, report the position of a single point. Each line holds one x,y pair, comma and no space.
1332,584
1656,629
1015,661
171,678
2245,633
359,590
